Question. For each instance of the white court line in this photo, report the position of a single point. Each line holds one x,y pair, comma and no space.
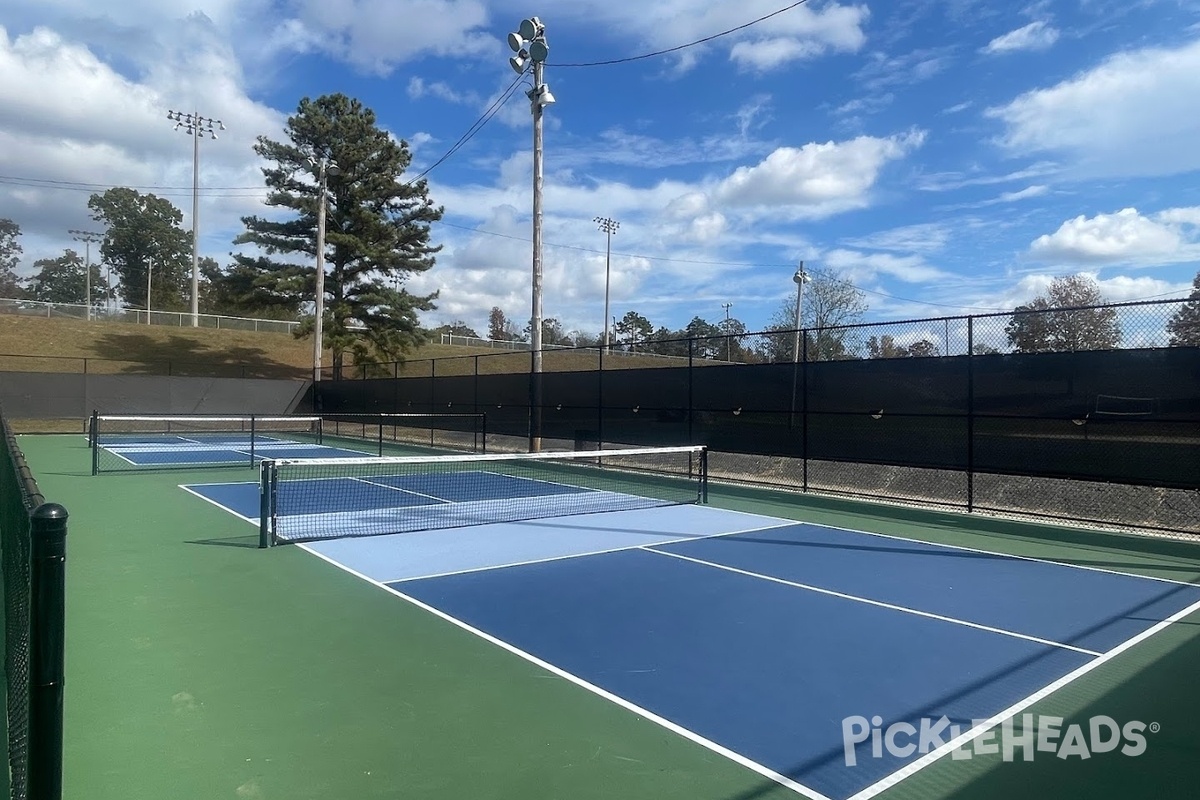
738,758
370,482
678,538
1005,555
253,521
932,756
868,601
966,529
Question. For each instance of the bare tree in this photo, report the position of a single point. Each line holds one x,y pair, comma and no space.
1065,319
829,304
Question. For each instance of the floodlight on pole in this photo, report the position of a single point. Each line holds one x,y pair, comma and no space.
801,278
609,226
88,238
197,127
529,43
324,168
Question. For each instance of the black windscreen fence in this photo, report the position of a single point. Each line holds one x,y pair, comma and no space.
1119,416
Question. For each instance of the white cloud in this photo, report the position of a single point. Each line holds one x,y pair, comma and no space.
800,33
860,268
923,238
1034,36
376,35
418,87
815,180
882,71
73,118
1136,114
1126,237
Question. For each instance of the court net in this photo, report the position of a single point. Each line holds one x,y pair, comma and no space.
311,499
130,442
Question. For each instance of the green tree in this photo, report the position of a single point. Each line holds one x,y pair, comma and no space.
733,346
1184,325
705,338
240,291
829,304
924,349
63,280
377,229
10,255
885,347
456,328
501,328
632,329
666,342
143,234
1065,319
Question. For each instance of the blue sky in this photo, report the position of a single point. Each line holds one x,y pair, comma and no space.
943,155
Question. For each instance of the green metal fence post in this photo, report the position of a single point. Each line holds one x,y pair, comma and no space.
48,535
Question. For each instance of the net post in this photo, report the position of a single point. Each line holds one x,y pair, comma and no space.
704,475
253,431
92,428
47,615
483,432
265,502
95,437
379,434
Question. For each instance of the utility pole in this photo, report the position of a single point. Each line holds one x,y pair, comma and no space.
197,127
324,167
609,226
88,238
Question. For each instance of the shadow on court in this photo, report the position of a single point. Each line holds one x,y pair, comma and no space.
250,541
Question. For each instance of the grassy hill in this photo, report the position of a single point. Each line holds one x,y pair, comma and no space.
35,344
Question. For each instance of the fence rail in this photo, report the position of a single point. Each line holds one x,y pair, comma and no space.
175,319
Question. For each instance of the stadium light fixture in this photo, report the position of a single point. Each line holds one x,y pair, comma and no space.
197,127
529,44
88,238
801,278
610,227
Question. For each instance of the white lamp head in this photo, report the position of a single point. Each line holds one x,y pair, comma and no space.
515,41
538,50
517,62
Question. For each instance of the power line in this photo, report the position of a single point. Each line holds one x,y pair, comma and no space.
677,48
475,128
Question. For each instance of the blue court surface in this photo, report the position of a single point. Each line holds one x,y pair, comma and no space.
758,637
156,449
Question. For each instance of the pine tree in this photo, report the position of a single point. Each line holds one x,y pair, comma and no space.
377,230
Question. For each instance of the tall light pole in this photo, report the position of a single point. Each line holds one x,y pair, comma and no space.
88,238
149,275
609,226
197,127
801,278
324,168
727,306
529,44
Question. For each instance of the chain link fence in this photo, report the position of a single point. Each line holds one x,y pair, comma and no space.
1088,414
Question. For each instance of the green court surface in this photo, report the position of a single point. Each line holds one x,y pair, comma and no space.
200,667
